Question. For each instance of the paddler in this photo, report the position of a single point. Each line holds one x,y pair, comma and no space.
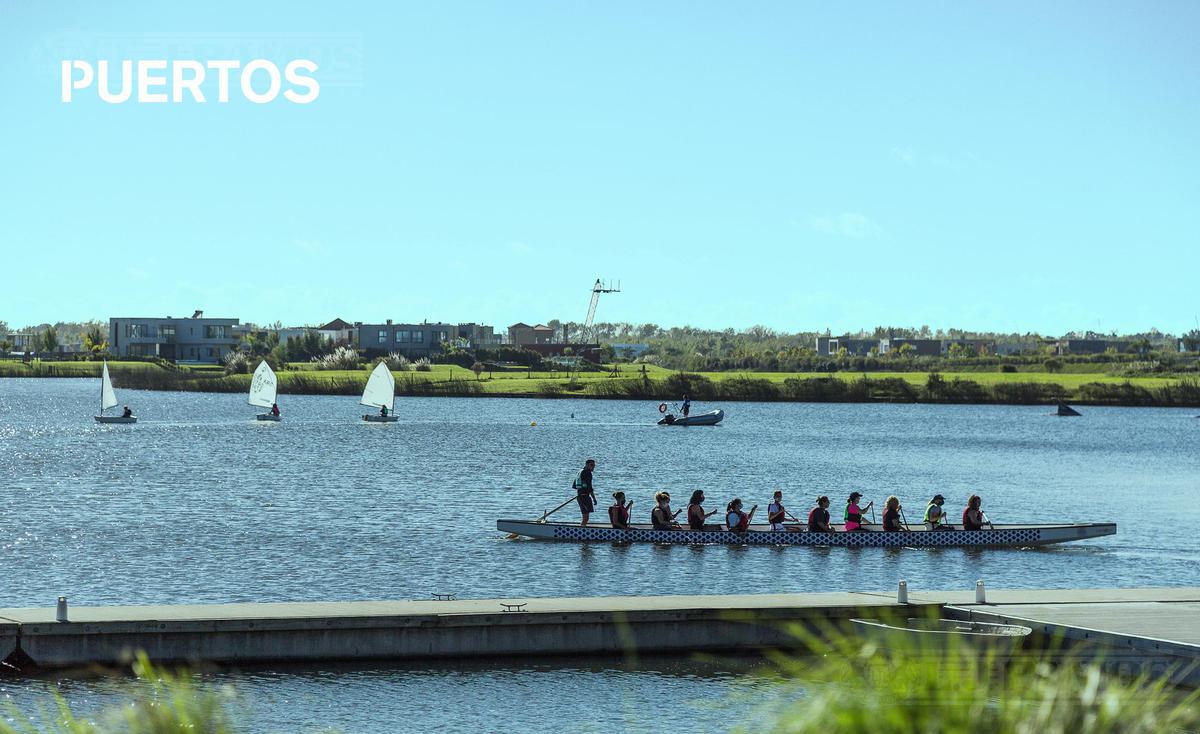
818,517
696,514
776,514
618,512
854,514
661,516
935,516
736,520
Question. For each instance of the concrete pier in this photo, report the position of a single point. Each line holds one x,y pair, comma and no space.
1153,628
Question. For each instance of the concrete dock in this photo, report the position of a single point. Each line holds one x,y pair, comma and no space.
1154,628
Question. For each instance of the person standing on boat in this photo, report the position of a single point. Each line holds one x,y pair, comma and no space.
891,515
935,516
275,409
695,512
818,517
776,514
584,494
854,514
687,406
736,520
618,512
973,515
661,516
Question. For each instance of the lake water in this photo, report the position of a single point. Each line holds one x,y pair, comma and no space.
200,503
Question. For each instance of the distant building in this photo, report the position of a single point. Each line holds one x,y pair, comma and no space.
195,339
920,347
412,340
478,335
521,334
590,352
1090,346
979,347
340,332
22,342
854,346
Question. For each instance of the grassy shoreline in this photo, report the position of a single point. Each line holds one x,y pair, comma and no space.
630,383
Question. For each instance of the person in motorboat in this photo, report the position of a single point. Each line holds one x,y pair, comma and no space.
696,514
618,512
661,516
687,406
973,515
818,517
853,516
585,495
892,519
935,516
777,514
275,409
127,413
736,520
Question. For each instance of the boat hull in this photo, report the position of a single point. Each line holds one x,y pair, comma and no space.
1002,536
930,635
711,418
268,417
381,418
116,419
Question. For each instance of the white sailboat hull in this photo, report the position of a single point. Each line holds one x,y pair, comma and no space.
116,419
381,418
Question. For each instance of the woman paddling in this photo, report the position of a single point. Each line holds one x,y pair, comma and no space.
661,516
736,520
618,512
696,514
854,514
973,515
891,515
818,517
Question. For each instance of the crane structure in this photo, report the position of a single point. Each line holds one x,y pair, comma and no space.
597,288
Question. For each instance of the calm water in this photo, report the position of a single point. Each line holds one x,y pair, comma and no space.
200,503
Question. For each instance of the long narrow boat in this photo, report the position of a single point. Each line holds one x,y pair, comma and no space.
927,635
1001,536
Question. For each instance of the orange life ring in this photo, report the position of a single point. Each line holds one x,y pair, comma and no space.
662,407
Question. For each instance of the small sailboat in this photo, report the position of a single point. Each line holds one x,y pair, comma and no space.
264,390
380,392
1065,410
108,399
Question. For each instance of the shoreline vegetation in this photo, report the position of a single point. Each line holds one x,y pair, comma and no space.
632,382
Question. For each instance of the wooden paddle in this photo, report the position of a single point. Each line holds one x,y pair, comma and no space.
985,519
545,514
904,520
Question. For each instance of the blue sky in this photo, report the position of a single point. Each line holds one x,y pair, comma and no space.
1005,165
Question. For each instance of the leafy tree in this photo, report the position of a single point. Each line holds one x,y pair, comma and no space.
1054,364
906,350
477,368
48,342
1191,340
95,340
5,346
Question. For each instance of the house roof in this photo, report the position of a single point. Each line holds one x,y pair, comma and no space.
520,325
335,325
542,327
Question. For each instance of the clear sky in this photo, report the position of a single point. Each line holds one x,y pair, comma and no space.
985,165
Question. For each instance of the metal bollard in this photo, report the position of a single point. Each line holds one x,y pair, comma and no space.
60,614
980,595
902,593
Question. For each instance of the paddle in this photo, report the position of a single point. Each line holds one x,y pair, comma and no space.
904,520
545,514
985,519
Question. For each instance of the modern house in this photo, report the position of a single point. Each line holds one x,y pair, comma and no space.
195,339
21,342
478,335
522,334
1091,346
411,340
978,347
342,333
854,346
920,347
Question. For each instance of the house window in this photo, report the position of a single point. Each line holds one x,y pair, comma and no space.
137,331
167,333
418,336
402,336
214,332
383,336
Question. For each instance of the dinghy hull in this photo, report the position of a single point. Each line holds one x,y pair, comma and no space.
381,418
268,417
116,419
1002,536
711,418
931,635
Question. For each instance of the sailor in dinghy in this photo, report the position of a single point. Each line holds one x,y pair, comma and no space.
264,391
380,392
108,399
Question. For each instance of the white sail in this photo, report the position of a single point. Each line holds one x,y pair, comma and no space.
108,397
380,391
263,386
